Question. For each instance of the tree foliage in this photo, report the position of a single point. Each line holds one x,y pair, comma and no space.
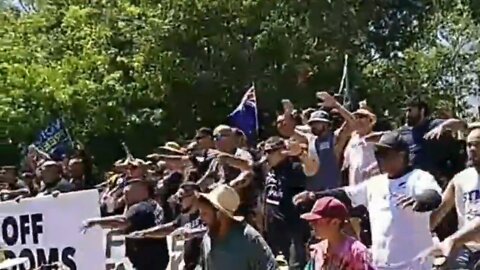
146,71
441,67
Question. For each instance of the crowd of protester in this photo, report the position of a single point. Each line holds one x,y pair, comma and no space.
329,191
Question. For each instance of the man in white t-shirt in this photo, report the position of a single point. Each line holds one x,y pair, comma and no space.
463,192
398,201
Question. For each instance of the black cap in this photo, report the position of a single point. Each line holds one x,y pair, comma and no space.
392,140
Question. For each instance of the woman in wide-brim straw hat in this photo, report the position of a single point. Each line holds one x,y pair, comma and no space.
229,236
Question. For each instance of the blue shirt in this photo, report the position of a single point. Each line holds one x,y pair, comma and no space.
328,175
424,154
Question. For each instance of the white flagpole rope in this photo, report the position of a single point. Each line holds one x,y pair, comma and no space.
344,75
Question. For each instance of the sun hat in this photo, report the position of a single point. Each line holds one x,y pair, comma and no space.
225,199
173,147
365,112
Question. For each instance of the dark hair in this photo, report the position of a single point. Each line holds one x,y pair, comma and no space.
205,131
417,102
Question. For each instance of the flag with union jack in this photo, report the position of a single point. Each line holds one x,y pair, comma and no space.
245,116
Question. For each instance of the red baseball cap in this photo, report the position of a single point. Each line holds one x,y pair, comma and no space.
327,207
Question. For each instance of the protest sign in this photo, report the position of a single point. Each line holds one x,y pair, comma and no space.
54,139
175,249
46,230
115,252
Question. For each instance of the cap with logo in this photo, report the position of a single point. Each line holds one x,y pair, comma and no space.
319,116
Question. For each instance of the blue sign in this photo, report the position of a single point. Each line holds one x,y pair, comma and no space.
54,140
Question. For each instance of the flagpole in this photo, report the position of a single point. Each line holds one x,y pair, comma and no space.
344,81
256,108
72,144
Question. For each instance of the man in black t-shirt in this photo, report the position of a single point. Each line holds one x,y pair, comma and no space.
188,225
145,254
142,213
285,179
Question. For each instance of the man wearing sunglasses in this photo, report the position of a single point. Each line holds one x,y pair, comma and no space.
399,202
230,160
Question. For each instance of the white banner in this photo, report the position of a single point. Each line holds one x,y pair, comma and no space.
47,230
115,253
176,250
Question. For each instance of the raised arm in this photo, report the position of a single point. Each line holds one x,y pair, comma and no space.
244,163
331,102
113,222
160,231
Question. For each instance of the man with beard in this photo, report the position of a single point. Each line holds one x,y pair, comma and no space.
463,192
142,213
230,243
187,225
430,140
433,148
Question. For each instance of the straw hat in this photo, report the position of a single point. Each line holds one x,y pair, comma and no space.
173,147
367,113
130,161
225,199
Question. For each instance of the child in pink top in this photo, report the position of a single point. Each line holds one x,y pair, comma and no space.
337,251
